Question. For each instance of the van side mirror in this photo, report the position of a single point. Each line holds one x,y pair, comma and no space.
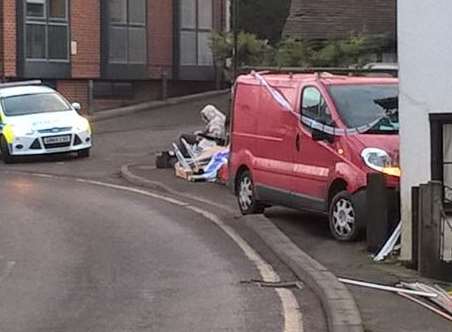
77,107
319,136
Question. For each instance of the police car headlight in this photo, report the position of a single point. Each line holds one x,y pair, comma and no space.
23,131
380,161
83,125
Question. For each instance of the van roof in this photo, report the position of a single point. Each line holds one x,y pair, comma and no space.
288,80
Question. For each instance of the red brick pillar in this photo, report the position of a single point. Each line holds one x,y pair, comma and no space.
75,91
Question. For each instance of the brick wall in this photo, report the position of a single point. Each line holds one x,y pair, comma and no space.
160,37
75,91
1,41
85,30
324,19
8,27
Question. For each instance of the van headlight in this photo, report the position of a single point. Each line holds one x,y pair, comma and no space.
380,161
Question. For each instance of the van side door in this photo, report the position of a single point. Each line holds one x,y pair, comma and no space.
313,159
274,164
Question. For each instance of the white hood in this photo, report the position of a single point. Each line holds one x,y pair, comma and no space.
41,121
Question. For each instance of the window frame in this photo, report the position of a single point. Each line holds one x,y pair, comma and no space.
128,26
197,30
47,21
322,97
437,123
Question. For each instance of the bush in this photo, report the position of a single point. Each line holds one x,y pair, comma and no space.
252,51
293,53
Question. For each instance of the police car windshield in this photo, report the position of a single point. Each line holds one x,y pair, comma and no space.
34,103
360,105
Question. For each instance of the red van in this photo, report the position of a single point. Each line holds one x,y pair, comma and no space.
316,153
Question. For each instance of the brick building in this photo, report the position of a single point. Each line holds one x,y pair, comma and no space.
110,52
338,19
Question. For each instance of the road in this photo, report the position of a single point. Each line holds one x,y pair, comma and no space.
79,256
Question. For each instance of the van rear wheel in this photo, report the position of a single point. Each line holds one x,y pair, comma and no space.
343,219
246,195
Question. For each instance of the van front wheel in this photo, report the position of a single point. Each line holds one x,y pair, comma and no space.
246,195
344,223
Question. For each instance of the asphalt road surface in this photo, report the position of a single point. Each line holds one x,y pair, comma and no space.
80,257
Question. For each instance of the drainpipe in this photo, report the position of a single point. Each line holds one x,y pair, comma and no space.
227,27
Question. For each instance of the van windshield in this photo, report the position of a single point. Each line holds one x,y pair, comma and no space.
34,103
360,105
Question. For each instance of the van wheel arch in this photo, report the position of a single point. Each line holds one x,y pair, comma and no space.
338,191
336,187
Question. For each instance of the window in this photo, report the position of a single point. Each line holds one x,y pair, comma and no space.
127,42
196,25
441,153
314,106
46,30
359,105
113,90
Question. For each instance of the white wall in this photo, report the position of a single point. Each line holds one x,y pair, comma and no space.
425,57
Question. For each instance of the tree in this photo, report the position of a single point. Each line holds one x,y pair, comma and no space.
264,18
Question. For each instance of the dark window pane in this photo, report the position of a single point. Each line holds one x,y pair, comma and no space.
137,11
205,57
312,101
57,8
35,41
188,14
118,44
58,43
205,14
137,45
188,48
360,105
118,11
35,8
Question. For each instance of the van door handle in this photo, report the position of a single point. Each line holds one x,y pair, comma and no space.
297,142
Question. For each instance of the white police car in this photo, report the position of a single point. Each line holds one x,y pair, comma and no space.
35,119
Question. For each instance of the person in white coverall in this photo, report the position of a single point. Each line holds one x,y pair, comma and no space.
214,132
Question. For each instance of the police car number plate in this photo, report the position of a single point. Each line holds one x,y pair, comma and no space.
57,139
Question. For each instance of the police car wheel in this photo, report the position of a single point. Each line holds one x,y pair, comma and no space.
83,153
7,157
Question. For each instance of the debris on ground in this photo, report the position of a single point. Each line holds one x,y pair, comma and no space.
277,284
443,299
433,298
202,155
387,288
427,306
390,245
